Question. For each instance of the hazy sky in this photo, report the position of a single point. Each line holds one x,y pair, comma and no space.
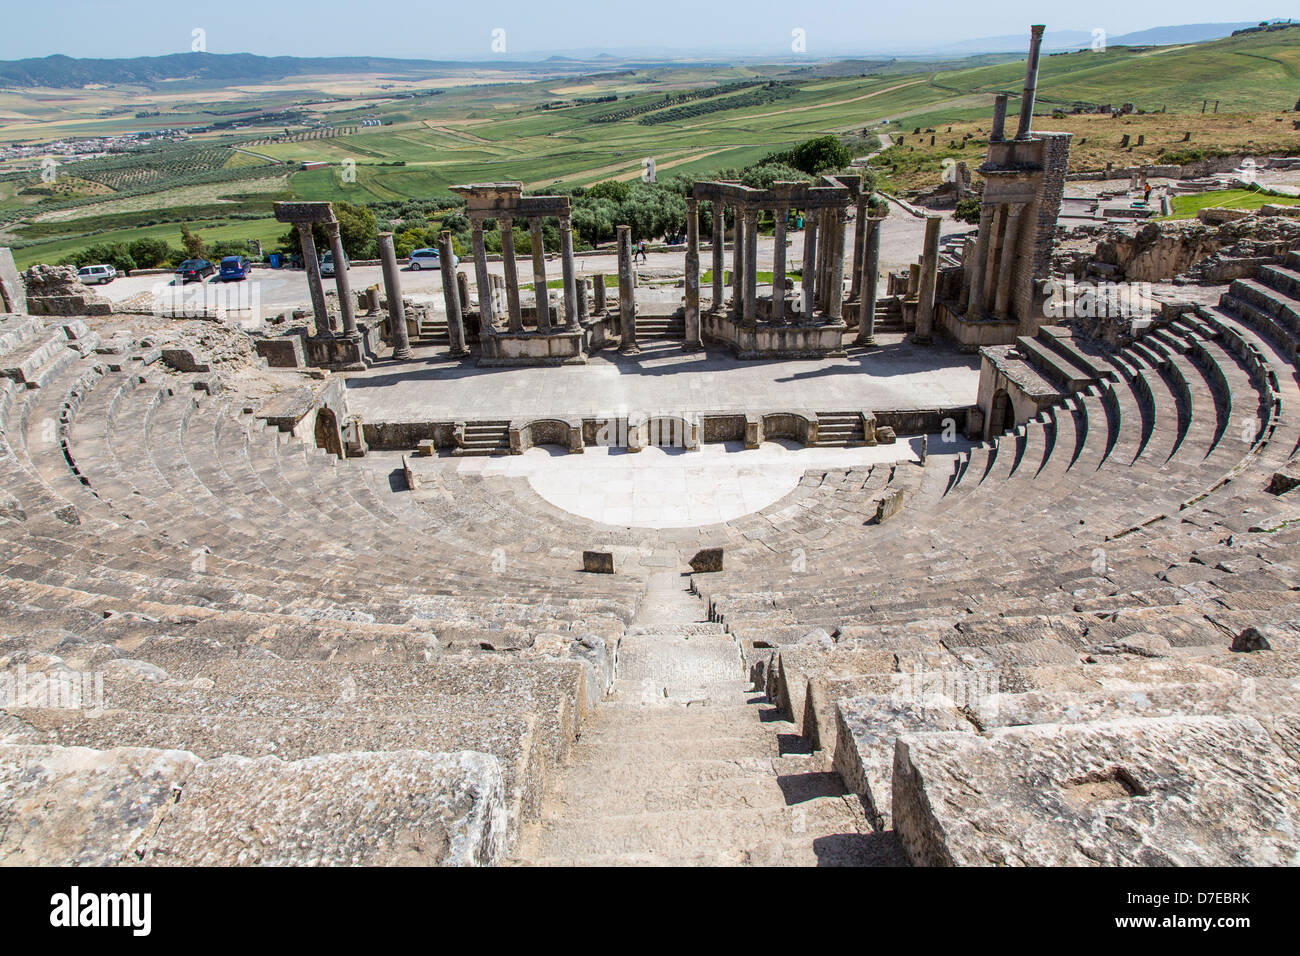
459,29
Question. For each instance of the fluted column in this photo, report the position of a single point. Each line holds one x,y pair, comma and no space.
809,267
997,228
347,307
929,278
486,307
738,265
540,293
692,310
393,290
719,254
870,282
777,312
859,238
979,263
835,281
512,274
451,295
626,293
570,275
311,261
1006,271
749,304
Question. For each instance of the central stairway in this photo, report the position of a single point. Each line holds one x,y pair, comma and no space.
683,765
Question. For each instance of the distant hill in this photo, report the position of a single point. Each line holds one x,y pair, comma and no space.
64,71
1057,40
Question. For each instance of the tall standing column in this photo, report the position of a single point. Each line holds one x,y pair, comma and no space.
512,275
809,267
824,259
738,264
719,254
451,295
347,307
967,257
859,239
486,307
540,292
870,283
581,292
749,302
626,302
311,260
929,279
999,130
835,284
692,311
598,293
1031,82
1007,267
777,312
570,275
393,289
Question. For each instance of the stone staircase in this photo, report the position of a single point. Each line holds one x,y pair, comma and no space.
682,765
667,327
840,429
485,438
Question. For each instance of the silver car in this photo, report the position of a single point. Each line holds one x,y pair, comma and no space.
430,259
96,275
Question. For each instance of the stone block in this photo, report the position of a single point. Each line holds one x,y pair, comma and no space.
425,448
1173,791
284,352
598,562
13,295
184,360
890,505
707,560
885,435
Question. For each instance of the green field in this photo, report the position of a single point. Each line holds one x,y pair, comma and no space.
1186,207
499,131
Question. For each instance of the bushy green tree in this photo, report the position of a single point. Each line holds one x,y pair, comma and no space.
150,253
820,155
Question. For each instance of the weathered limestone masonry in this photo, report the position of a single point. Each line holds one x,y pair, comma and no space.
1024,181
548,342
351,350
809,324
393,290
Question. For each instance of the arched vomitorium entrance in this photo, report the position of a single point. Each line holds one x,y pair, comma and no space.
1001,416
327,431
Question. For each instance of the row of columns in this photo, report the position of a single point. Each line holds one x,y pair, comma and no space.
514,314
347,307
989,280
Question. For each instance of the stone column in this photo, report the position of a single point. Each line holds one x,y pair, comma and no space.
1031,82
540,292
913,280
692,311
347,306
978,264
828,228
859,238
598,292
580,290
311,261
870,283
835,284
393,289
451,295
1006,268
486,312
967,257
719,254
999,131
749,301
929,277
626,302
777,312
809,267
570,275
512,274
738,264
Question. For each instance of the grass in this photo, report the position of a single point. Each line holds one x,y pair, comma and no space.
493,130
1186,207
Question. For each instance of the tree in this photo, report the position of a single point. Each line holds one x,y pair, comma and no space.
195,247
151,253
819,155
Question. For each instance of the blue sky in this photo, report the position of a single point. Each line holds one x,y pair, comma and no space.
456,29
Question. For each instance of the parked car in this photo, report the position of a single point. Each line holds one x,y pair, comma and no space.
430,259
194,270
235,267
96,275
327,263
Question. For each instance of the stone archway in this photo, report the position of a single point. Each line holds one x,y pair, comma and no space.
1001,414
327,432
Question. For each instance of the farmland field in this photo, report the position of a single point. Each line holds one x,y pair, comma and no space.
567,128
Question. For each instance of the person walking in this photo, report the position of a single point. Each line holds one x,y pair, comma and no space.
640,251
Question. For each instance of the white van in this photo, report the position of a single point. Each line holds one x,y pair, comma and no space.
96,275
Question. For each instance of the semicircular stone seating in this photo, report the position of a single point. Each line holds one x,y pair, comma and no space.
238,616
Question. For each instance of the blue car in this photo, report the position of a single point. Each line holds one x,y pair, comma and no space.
235,267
